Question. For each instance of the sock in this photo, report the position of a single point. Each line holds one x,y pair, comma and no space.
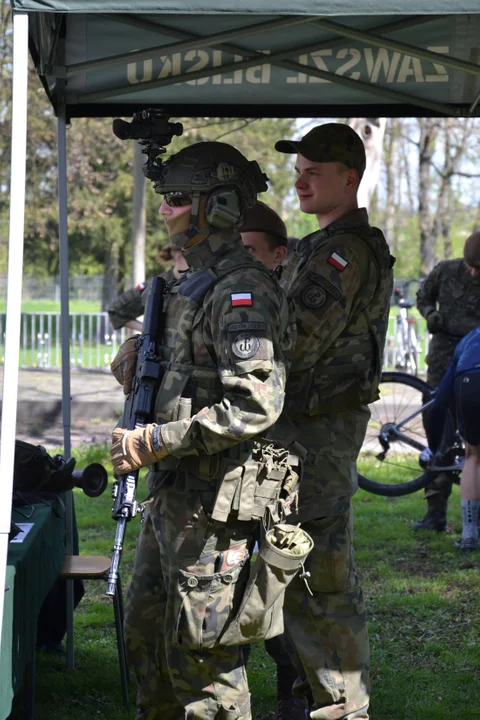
469,519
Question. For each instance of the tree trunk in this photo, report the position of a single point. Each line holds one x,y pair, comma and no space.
391,209
372,131
112,275
138,217
428,132
447,224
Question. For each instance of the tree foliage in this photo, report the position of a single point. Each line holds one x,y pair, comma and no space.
426,200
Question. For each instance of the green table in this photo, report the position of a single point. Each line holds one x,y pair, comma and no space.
32,568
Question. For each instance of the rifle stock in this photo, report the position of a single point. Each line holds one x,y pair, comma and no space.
138,412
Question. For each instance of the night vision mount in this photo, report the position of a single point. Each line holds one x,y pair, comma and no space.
154,131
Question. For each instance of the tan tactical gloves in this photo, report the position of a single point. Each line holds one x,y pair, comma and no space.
133,449
124,363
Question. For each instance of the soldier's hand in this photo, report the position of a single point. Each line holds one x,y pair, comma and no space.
434,321
133,449
124,363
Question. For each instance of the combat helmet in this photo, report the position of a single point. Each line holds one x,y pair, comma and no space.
221,182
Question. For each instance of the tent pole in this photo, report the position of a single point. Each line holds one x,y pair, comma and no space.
14,282
65,332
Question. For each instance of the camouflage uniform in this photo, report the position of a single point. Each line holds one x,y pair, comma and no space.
226,335
131,304
341,280
450,290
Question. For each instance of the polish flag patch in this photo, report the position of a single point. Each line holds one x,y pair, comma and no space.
141,286
239,299
337,261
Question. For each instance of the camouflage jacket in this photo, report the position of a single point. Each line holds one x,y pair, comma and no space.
228,334
341,283
451,290
130,305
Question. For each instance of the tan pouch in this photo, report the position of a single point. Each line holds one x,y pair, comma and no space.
260,615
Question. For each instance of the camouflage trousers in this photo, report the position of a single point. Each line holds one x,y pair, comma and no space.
176,608
328,628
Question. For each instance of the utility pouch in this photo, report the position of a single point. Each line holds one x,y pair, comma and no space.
282,554
262,487
205,600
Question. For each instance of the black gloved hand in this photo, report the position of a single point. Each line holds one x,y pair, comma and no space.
434,321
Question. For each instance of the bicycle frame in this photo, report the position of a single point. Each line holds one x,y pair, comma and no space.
391,432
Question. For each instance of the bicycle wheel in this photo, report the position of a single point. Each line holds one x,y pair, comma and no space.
388,462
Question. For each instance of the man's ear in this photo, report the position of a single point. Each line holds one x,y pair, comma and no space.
280,253
353,178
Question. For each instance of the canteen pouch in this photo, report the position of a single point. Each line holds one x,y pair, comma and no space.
260,615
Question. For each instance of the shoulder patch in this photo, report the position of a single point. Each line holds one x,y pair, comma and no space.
245,345
337,261
141,287
237,326
313,296
241,299
326,284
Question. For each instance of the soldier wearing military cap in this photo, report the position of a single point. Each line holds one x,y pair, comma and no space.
341,281
449,300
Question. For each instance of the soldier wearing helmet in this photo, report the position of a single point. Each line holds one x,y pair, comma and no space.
449,300
224,355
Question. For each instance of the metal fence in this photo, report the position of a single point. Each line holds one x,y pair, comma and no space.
94,343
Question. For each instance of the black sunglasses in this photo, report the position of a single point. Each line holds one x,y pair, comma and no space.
177,199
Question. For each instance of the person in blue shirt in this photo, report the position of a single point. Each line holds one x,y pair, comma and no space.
459,391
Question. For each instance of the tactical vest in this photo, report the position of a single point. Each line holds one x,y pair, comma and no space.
348,373
458,299
190,382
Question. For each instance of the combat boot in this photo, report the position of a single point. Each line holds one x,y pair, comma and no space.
436,517
288,706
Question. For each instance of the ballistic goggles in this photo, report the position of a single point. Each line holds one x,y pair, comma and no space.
177,199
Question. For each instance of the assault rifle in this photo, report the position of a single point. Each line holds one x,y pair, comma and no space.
138,412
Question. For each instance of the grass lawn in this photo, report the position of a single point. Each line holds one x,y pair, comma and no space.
423,606
51,306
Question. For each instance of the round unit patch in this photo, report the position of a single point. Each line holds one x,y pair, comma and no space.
245,345
313,296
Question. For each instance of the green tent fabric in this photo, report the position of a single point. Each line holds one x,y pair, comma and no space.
282,7
308,58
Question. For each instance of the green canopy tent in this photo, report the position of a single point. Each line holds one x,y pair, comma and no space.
202,57
314,60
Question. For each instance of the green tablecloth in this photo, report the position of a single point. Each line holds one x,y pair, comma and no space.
32,568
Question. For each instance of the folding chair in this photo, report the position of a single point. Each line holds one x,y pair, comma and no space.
96,567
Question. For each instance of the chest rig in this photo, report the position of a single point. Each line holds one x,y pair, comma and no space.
253,476
348,373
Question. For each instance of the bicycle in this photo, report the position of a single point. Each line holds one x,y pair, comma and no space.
395,438
407,347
